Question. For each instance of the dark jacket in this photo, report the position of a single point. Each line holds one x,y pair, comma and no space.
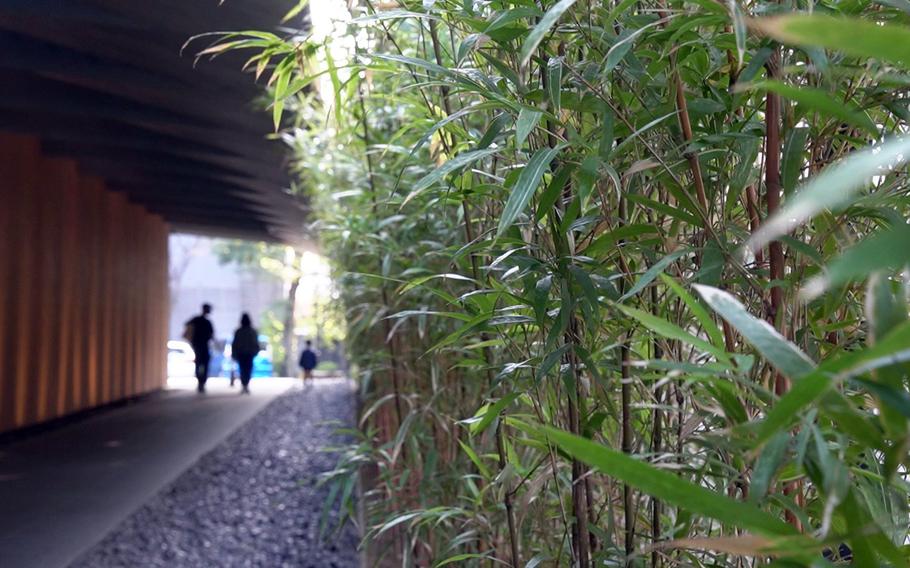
203,332
308,360
246,342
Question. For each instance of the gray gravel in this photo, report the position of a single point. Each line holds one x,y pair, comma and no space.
252,501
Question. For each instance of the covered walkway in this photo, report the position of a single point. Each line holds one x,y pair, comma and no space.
61,491
111,139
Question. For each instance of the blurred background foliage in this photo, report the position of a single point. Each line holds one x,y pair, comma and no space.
624,283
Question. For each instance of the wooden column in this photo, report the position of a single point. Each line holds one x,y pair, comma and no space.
106,292
18,155
52,177
68,251
118,351
26,229
83,290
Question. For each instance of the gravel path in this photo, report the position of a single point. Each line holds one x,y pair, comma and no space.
252,501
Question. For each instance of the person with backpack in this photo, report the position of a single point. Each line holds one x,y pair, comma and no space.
199,332
308,361
244,349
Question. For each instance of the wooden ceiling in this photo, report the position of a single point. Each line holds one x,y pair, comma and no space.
104,82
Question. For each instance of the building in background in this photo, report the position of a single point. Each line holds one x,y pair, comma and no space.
197,275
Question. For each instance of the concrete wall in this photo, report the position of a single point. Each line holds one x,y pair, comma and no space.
83,289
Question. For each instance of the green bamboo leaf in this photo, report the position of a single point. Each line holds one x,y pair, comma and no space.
668,486
391,15
450,118
853,36
554,190
295,11
887,249
803,393
423,313
424,279
666,209
416,62
507,17
672,331
902,5
835,187
491,413
458,162
652,273
890,350
739,29
697,309
820,101
745,151
620,49
608,239
527,121
774,347
638,132
554,81
277,111
542,28
460,558
896,399
398,520
472,455
526,186
497,125
767,465
885,310
794,158
336,83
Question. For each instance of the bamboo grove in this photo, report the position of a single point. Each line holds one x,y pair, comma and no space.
625,282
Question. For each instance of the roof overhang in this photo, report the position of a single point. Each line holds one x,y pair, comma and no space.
104,82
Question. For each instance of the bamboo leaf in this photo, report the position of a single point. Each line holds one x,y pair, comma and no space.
542,28
820,101
783,355
671,331
739,29
697,309
462,160
854,36
667,486
835,187
652,273
491,413
887,249
527,121
767,465
526,186
794,157
888,351
460,558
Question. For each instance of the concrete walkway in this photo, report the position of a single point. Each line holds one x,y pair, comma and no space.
62,491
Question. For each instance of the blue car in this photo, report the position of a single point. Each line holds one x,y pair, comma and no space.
262,363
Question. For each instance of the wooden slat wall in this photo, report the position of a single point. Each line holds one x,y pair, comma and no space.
83,290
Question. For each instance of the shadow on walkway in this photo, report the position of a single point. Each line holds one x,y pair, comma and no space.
62,490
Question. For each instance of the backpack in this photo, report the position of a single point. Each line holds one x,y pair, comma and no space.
246,342
188,331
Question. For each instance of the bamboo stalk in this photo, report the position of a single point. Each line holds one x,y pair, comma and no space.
469,238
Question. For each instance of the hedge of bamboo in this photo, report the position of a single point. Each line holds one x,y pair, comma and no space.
625,282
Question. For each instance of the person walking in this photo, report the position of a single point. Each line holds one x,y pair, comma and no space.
199,332
308,361
244,349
